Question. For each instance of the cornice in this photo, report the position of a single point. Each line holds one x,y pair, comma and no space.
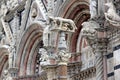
85,73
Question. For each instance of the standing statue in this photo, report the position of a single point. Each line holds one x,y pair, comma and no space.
6,75
93,8
111,15
11,56
44,58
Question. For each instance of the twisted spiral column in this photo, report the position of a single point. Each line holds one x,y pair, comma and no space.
100,51
99,66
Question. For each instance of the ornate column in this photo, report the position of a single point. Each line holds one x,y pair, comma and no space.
101,47
98,45
60,26
63,56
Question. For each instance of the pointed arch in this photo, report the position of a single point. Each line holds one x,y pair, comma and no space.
78,11
3,59
26,53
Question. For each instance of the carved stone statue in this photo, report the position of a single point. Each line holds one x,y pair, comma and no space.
89,31
34,12
46,36
6,75
111,15
11,56
59,23
93,8
63,56
44,58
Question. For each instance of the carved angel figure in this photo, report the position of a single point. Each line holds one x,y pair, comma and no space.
111,15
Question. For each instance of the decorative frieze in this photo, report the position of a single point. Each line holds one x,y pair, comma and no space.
74,68
41,76
84,74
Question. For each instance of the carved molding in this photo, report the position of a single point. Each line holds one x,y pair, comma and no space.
76,54
84,74
42,76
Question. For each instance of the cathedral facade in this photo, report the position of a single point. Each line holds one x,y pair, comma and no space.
59,39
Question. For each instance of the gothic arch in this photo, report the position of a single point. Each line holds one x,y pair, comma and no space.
77,10
3,59
27,49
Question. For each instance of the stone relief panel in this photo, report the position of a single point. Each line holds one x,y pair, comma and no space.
88,58
35,12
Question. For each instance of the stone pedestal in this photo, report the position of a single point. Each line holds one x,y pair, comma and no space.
62,72
51,71
13,72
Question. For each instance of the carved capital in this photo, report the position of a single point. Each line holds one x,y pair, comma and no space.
63,57
101,44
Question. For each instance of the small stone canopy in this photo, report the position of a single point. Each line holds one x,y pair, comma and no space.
61,24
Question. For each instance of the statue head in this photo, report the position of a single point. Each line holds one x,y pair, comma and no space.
5,72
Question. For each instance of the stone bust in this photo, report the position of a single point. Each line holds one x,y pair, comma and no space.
33,12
